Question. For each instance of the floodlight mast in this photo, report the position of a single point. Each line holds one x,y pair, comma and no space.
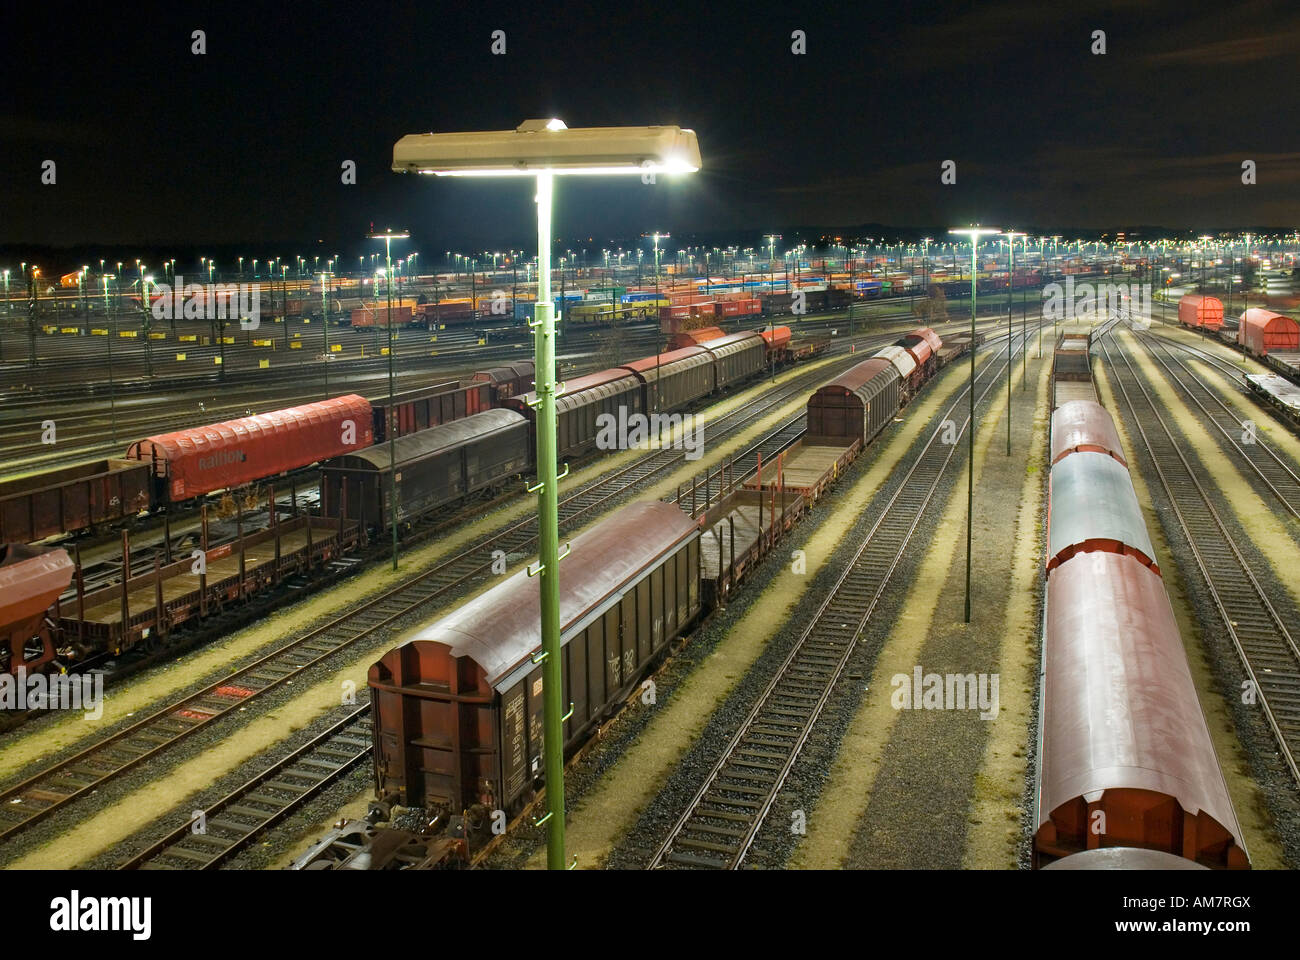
544,149
974,233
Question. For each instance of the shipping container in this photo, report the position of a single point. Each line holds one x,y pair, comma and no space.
192,462
376,315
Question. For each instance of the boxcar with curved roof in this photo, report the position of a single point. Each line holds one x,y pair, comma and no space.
1126,759
1092,506
1263,331
434,467
579,408
856,405
1195,310
1079,425
675,379
903,361
199,460
736,357
458,708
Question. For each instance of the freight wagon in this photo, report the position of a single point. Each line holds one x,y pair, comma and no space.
376,315
72,499
508,380
1122,739
1262,332
434,468
458,708
736,357
1072,370
189,463
1199,312
857,405
584,400
675,379
420,409
31,580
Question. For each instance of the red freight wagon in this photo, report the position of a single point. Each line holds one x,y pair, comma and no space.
1122,729
1195,310
1263,331
192,462
31,579
418,410
403,316
776,338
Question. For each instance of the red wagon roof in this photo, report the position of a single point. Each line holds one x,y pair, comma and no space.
498,630
1084,425
1263,330
646,364
1122,723
229,454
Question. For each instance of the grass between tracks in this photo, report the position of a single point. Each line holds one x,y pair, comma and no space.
844,797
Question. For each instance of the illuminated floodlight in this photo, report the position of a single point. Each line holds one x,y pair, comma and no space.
548,146
544,149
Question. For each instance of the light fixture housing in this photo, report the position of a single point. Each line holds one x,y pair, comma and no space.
542,146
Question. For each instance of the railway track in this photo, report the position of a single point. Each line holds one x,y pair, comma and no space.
234,821
53,788
1271,469
719,825
1267,651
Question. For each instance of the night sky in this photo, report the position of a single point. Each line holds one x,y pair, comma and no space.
243,145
